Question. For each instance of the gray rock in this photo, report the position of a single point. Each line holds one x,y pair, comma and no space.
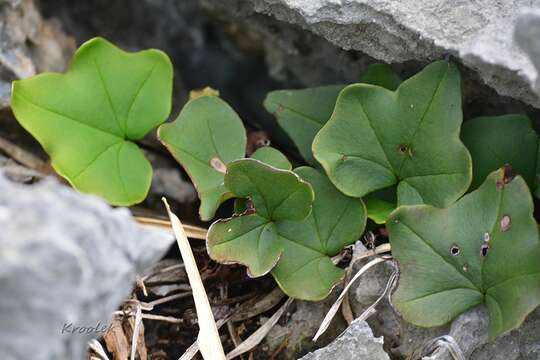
401,339
66,260
28,45
476,32
300,325
469,330
357,342
527,35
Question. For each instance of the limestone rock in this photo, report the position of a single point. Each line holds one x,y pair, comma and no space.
469,330
527,35
28,45
357,342
478,33
300,325
66,262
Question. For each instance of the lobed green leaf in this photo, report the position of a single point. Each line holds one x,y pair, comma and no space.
482,249
89,118
377,138
286,234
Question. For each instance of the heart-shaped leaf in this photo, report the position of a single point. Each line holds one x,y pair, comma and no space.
88,119
482,249
494,141
302,113
204,139
305,269
377,138
279,236
252,239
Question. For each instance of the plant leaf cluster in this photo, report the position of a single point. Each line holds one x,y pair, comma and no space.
391,150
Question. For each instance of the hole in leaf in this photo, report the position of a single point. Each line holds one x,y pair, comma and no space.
505,223
487,237
403,149
455,250
484,249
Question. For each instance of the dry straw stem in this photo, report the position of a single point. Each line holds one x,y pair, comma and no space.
208,339
335,307
191,231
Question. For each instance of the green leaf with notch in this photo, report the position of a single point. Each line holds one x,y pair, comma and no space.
494,141
377,138
482,249
204,139
302,113
89,118
283,236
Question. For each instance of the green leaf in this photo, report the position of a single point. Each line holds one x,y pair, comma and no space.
283,234
252,240
204,139
88,118
381,75
269,156
378,210
442,269
273,157
377,138
494,141
302,113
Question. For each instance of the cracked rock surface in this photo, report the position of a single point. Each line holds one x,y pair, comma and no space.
29,44
357,342
478,33
66,260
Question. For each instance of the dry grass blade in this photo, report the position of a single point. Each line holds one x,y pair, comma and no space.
136,331
335,307
389,286
194,348
381,249
208,339
98,349
447,342
255,307
255,338
116,341
25,157
191,231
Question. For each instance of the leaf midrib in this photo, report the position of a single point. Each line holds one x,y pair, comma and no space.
452,266
419,125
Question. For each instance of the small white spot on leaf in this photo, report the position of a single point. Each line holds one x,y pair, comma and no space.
505,223
218,165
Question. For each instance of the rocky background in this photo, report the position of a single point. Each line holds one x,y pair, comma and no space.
243,48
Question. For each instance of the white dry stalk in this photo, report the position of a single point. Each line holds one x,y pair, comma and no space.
136,329
194,348
335,307
98,349
389,285
447,342
255,338
208,338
